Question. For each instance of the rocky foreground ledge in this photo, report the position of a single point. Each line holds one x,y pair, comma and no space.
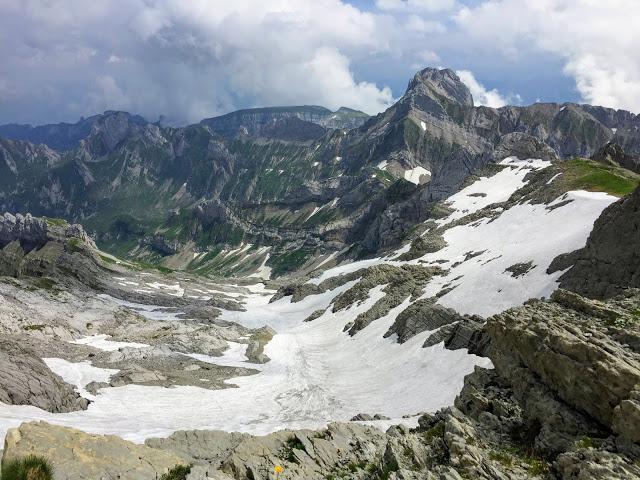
563,402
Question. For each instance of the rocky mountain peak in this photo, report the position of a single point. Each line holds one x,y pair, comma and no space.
441,85
111,128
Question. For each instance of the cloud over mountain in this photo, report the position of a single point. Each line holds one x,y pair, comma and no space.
192,59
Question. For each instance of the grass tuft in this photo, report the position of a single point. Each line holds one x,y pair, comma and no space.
583,174
179,472
28,468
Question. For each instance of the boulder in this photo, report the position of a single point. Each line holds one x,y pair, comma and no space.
76,455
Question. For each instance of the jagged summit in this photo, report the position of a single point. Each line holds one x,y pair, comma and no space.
443,85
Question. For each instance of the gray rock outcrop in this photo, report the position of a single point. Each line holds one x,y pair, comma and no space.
76,455
610,261
26,380
41,247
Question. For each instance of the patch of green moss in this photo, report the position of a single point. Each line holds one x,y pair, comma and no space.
106,259
583,174
384,175
512,455
537,466
437,431
36,327
388,469
502,457
584,443
290,445
46,283
56,222
75,244
288,261
140,265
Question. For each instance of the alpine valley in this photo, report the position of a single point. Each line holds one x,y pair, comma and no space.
441,291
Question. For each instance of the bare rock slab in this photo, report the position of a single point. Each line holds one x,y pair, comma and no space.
76,455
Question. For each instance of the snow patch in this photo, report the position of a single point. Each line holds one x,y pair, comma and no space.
101,343
263,271
315,210
234,356
553,178
317,374
79,374
413,175
494,189
480,252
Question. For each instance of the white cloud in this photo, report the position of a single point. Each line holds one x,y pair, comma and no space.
481,96
598,41
416,5
198,58
428,57
107,95
418,24
188,59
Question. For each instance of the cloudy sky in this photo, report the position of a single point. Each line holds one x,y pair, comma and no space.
190,59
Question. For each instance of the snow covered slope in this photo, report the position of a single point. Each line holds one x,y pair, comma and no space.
316,374
496,256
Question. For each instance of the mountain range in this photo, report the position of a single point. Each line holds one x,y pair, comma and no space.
302,181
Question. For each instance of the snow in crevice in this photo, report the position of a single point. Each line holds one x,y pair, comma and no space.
550,181
263,270
313,212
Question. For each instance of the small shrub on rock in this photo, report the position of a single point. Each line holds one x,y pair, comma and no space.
179,472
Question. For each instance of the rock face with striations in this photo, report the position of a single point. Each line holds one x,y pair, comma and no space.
576,353
613,153
610,261
26,380
262,121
